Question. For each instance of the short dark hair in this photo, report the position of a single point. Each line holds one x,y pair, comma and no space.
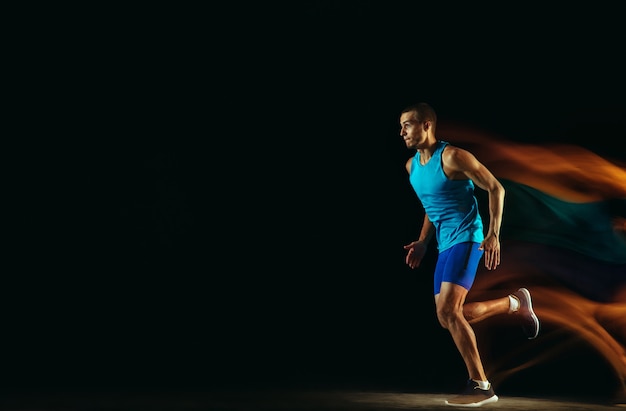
423,112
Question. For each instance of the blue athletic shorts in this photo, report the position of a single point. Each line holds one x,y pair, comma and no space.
458,264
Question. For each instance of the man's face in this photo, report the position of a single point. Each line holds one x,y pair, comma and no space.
412,131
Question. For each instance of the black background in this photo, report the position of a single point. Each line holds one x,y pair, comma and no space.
216,196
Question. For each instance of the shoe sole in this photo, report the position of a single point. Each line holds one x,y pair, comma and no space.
533,316
475,404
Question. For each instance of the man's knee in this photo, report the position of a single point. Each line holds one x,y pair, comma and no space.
442,321
446,316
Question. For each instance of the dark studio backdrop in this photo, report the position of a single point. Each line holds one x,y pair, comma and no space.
222,199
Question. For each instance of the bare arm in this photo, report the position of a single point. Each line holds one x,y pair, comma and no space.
427,231
459,163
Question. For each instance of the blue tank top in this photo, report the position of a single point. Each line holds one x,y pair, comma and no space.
450,204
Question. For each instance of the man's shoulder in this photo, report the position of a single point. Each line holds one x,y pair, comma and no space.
409,162
447,148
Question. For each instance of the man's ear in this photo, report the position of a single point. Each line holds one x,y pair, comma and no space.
427,124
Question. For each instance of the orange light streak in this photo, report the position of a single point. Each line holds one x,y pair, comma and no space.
571,174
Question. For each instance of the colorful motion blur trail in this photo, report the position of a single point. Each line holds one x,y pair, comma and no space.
564,238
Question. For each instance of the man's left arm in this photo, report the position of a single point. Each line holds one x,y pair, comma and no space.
465,162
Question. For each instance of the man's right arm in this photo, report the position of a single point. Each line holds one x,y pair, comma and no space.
427,231
417,249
